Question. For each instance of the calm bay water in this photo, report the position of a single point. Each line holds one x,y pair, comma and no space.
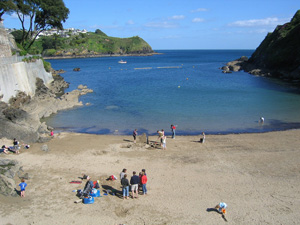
181,87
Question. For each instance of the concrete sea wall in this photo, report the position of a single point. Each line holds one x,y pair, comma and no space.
16,75
20,76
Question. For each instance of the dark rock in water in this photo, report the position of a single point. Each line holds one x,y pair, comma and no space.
237,64
226,71
76,69
60,71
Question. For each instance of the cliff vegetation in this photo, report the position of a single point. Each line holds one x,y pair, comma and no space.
277,56
87,45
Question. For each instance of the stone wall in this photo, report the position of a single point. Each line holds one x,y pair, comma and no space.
21,76
16,75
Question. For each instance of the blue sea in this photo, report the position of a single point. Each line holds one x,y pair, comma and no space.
181,87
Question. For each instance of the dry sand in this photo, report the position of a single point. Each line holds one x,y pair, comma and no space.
257,175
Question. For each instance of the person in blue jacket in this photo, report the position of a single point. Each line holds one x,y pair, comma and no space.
134,181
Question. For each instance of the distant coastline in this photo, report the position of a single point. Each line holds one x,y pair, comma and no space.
100,55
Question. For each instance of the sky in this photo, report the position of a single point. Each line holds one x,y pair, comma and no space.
178,24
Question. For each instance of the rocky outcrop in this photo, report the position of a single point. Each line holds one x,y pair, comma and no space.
278,55
9,169
235,65
21,118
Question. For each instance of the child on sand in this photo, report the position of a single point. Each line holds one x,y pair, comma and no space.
23,186
164,142
221,207
144,182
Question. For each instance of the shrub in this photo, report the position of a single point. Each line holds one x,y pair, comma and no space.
47,65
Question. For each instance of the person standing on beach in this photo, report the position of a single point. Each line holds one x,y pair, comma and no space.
134,135
125,187
164,142
161,133
122,174
202,140
173,128
16,146
144,182
134,181
23,185
144,171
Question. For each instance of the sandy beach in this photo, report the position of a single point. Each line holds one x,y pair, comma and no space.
257,175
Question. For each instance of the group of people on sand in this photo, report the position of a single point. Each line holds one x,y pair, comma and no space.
14,149
136,182
163,138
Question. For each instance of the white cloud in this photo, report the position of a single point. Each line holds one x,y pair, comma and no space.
259,22
161,25
199,10
197,20
15,16
177,17
130,22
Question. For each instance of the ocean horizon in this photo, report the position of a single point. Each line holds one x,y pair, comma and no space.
181,87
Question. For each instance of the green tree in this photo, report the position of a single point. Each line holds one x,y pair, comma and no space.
53,42
42,15
6,6
18,34
99,32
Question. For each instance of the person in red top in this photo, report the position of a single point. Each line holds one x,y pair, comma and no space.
173,128
144,182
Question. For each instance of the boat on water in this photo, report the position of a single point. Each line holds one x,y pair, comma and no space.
122,61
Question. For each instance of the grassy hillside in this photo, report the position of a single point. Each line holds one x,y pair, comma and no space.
89,44
280,50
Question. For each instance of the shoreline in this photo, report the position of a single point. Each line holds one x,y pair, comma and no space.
178,133
184,182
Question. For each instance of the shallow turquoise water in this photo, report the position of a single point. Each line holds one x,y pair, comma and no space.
181,87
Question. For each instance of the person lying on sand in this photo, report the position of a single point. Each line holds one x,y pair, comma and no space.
4,149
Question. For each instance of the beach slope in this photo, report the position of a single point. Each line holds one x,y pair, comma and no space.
257,175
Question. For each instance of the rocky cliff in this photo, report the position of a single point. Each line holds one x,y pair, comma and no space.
277,56
29,93
16,75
